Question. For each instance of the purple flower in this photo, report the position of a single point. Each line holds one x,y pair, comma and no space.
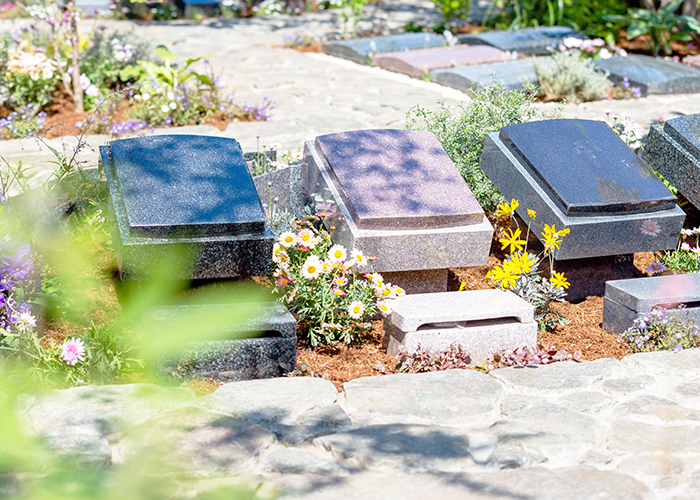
73,351
656,267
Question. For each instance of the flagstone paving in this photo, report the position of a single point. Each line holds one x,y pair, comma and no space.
625,429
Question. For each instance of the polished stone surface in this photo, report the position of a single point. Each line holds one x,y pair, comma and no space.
263,345
651,75
186,186
627,300
599,175
362,49
395,249
398,179
529,41
419,63
512,74
186,218
592,234
672,148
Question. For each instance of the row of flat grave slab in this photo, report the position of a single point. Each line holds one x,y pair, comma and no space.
672,148
481,57
578,175
397,196
627,300
483,322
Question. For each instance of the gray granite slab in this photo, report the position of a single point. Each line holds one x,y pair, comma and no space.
652,75
529,41
591,235
672,148
512,74
396,249
176,198
601,174
398,179
257,341
362,49
418,63
627,300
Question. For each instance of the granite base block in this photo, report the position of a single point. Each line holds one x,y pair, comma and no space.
512,74
287,187
483,322
263,345
428,281
590,236
675,160
397,250
587,277
626,300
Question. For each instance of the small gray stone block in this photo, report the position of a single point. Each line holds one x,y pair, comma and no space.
483,322
653,75
530,41
287,186
361,50
672,148
627,300
397,249
237,354
591,235
512,74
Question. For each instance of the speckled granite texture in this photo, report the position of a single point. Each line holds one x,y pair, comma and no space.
417,63
529,41
397,249
672,148
263,346
626,300
512,74
189,198
591,235
362,49
651,75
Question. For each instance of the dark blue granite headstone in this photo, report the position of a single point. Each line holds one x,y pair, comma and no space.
190,193
600,174
652,75
512,74
361,49
672,148
529,41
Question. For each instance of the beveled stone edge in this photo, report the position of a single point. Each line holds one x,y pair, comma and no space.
620,291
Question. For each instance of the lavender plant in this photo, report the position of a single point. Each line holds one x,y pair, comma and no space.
660,331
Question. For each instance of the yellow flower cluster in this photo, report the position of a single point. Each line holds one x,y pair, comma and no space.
507,274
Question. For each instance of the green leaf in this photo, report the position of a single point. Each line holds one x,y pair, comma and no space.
163,52
637,29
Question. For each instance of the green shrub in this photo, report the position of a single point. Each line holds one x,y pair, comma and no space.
453,8
571,77
462,129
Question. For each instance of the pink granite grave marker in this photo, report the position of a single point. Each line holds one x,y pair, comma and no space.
419,62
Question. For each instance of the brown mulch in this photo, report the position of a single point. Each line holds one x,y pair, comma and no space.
314,48
640,45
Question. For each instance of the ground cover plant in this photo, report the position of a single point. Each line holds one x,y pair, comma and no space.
684,259
662,330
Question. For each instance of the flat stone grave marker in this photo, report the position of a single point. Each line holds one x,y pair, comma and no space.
672,148
528,41
652,75
190,195
627,300
512,74
578,175
483,322
262,346
396,195
418,63
361,50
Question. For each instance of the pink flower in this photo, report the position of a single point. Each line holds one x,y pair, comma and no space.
338,292
650,227
340,281
283,281
73,351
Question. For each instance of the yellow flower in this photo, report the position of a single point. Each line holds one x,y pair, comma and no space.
507,209
559,280
550,243
531,213
505,275
523,261
549,230
512,241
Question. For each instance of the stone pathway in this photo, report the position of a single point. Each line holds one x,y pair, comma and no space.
602,429
314,94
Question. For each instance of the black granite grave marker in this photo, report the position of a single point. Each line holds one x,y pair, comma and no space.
190,194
